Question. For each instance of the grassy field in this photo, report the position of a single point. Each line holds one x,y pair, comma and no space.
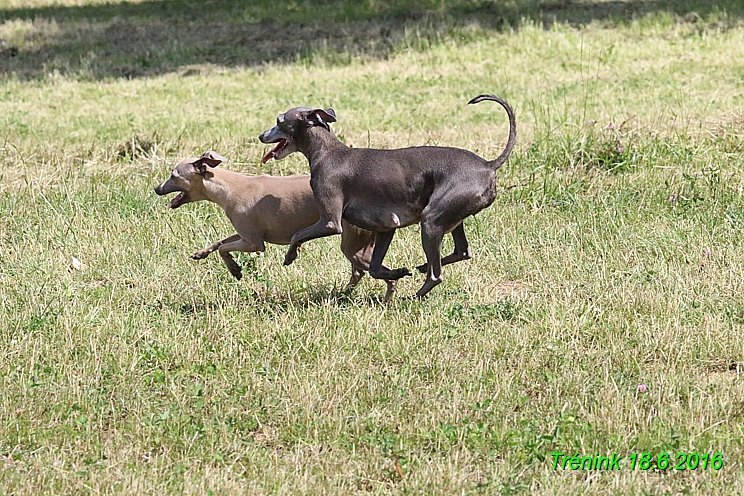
602,312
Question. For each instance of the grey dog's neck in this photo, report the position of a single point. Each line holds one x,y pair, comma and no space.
316,141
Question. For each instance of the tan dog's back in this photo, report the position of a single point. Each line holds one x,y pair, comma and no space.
281,206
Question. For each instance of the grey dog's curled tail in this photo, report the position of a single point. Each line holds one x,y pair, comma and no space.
499,161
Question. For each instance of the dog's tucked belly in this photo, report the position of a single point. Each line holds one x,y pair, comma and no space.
380,219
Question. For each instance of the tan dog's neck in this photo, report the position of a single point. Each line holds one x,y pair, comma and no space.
222,187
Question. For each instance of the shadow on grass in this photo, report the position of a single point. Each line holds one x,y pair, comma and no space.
139,39
316,296
278,301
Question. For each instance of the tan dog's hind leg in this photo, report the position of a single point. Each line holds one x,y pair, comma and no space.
356,276
202,254
390,290
244,245
357,245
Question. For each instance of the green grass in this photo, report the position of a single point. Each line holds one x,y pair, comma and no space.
93,39
611,259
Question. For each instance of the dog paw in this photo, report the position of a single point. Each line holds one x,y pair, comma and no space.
234,269
402,272
200,255
423,268
290,257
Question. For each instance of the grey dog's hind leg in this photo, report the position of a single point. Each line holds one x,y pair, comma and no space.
461,251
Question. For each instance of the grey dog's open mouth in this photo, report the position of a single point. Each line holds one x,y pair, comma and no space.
274,151
178,200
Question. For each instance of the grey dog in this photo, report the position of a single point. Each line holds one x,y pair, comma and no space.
383,190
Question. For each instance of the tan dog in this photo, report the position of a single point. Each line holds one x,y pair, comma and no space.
263,209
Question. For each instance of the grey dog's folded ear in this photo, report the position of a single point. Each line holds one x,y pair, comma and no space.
329,115
209,158
321,117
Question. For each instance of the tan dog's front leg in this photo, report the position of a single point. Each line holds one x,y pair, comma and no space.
202,254
245,245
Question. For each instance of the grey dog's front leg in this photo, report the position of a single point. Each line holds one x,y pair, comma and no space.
320,229
376,269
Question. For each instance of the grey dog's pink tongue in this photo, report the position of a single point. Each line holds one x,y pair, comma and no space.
268,155
272,153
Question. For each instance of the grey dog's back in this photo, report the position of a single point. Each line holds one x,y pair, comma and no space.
414,158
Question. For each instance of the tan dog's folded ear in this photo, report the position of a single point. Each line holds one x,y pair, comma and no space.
212,159
209,158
